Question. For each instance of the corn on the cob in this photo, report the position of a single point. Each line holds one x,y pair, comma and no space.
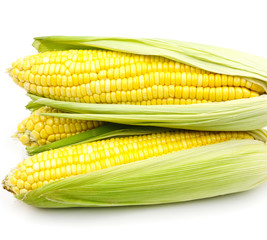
38,130
98,76
150,168
53,165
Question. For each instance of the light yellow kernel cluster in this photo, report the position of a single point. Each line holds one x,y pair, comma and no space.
37,130
61,163
96,76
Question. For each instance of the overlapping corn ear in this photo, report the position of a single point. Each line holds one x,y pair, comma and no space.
168,166
100,74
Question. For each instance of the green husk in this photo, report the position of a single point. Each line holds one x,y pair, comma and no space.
103,132
235,115
210,58
202,172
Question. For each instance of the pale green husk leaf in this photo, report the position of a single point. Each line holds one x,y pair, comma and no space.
211,58
235,115
201,172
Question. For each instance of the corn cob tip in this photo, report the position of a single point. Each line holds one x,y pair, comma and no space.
5,183
8,70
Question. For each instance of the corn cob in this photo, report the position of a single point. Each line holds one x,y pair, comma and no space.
39,130
53,165
99,76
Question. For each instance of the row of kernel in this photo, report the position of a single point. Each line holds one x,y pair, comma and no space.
79,56
177,79
36,140
112,70
112,58
104,69
60,74
60,128
150,93
146,80
56,125
106,86
169,101
75,55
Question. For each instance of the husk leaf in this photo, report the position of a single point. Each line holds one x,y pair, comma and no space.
236,115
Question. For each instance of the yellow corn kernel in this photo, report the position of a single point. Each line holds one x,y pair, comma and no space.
38,130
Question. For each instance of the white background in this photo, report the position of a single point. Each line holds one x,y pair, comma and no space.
241,25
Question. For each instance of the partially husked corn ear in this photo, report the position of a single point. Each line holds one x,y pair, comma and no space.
99,76
61,163
37,130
